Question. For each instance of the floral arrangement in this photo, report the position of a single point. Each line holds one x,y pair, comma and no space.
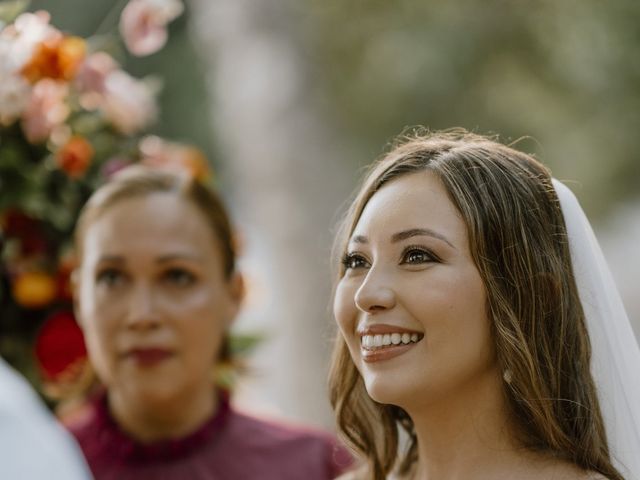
70,117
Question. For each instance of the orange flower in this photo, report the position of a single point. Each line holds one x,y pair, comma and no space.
194,161
58,58
75,156
34,289
174,156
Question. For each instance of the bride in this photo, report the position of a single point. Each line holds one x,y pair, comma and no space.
480,334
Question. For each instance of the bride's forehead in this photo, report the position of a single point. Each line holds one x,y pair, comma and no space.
416,201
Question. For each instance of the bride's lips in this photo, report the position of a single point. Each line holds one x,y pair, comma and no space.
149,356
382,342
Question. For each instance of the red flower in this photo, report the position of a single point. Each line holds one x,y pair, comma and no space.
59,345
16,224
75,156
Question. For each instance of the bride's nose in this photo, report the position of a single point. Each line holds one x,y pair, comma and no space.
376,292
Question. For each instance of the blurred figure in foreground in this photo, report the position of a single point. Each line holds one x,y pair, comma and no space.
156,292
33,446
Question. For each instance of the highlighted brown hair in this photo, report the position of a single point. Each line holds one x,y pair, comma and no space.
518,242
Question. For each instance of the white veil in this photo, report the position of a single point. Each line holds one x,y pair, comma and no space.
615,362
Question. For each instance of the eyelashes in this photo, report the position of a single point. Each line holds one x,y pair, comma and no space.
416,254
411,255
353,261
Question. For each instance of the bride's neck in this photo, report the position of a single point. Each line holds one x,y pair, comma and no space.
462,434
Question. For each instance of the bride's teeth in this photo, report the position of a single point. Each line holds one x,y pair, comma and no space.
371,342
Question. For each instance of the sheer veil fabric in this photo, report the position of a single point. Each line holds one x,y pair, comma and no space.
615,362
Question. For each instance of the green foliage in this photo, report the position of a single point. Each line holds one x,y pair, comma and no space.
564,73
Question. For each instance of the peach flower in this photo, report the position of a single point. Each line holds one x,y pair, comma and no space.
143,24
14,97
17,44
25,34
46,109
94,71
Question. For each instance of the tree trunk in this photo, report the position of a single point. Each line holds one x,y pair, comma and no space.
287,176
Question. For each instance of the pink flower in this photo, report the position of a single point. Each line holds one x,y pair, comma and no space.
143,24
128,103
113,166
94,71
46,109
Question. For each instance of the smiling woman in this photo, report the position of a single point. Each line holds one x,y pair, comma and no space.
405,266
156,291
460,321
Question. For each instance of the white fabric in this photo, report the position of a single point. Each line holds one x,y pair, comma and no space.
615,362
32,444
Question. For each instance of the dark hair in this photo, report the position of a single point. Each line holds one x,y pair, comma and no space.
518,241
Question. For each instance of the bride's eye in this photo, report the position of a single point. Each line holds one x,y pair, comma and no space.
417,256
353,261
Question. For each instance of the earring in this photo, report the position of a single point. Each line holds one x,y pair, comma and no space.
507,376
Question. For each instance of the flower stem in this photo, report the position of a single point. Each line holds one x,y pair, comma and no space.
108,23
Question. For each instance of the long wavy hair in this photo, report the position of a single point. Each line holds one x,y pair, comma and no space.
518,241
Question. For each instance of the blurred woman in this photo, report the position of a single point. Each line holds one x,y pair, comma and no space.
461,325
156,291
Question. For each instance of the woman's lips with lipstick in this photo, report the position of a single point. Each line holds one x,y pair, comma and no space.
383,342
148,357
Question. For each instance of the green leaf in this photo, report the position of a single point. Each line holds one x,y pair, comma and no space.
242,344
9,10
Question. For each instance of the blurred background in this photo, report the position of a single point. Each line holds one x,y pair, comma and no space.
291,99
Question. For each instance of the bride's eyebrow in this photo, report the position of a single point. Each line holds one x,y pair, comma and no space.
405,234
416,232
359,239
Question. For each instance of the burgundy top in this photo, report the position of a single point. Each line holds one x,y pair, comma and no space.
229,446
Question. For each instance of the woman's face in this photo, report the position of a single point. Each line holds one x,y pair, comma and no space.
411,305
152,297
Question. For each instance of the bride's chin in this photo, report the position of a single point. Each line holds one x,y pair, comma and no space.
387,394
